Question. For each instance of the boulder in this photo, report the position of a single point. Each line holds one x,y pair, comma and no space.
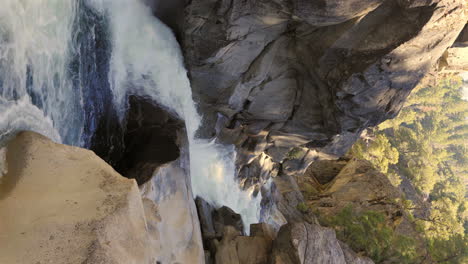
301,242
62,204
352,258
175,227
237,249
205,211
225,216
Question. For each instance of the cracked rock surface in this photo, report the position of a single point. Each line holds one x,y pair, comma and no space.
271,76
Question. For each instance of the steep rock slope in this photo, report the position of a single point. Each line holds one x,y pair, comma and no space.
329,187
309,74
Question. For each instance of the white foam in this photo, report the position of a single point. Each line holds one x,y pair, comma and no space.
146,60
35,44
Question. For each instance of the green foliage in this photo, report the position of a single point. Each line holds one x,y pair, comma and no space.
430,136
380,152
454,250
295,153
367,232
303,208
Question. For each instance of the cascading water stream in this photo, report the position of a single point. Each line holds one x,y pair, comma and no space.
35,44
40,80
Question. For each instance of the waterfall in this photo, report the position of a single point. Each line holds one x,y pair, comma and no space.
40,48
35,93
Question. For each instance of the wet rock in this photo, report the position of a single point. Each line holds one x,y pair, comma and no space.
147,138
151,139
170,12
205,211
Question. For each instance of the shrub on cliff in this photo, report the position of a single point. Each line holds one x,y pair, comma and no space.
368,232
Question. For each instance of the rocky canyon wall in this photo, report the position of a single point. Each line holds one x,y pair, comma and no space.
271,76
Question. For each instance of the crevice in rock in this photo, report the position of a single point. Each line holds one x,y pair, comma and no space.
150,139
324,171
147,139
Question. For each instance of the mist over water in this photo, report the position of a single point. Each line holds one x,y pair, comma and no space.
49,75
35,44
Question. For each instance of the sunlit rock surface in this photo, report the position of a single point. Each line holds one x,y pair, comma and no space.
309,74
303,242
331,186
62,204
174,227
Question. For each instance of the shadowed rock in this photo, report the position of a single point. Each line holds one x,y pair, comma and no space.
148,138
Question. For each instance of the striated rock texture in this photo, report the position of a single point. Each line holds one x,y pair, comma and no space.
62,204
296,243
309,74
354,183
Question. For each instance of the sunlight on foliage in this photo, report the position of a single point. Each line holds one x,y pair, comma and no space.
427,144
368,232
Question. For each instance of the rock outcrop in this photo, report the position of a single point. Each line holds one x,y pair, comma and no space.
356,184
302,240
148,137
306,243
237,249
151,139
61,204
174,227
455,59
311,75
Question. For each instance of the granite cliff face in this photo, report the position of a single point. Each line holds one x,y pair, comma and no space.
291,83
312,75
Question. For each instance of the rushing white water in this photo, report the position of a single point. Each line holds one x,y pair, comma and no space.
48,82
35,45
146,60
